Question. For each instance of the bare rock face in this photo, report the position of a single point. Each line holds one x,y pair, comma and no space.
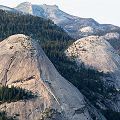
87,30
25,7
97,53
24,64
111,35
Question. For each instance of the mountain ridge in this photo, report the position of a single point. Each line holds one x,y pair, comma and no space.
71,24
2,7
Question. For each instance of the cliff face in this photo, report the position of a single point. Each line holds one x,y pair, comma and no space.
24,64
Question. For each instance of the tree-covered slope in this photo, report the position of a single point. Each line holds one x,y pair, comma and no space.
11,23
13,94
52,38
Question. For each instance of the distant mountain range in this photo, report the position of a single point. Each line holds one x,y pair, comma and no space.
77,27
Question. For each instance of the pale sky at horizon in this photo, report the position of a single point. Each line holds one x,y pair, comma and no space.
103,11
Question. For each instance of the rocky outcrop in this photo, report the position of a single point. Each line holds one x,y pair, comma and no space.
25,7
97,53
111,35
24,64
86,29
46,11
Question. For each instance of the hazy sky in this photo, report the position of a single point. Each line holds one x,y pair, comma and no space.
103,11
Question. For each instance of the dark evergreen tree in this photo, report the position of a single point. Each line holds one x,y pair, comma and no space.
14,94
